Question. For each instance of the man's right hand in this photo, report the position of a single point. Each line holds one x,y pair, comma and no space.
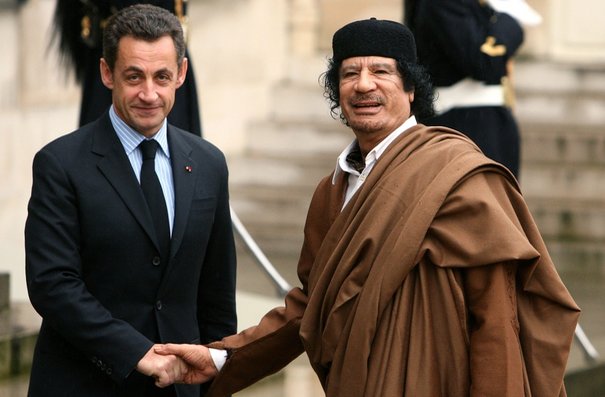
200,366
166,369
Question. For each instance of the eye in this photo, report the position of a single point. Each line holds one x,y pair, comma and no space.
163,78
132,78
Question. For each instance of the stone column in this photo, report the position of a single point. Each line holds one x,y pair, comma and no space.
577,31
304,25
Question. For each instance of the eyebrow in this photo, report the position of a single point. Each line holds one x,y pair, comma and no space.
373,65
139,70
382,65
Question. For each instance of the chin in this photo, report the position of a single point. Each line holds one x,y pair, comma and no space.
365,125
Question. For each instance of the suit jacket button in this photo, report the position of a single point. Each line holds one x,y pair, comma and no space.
158,305
156,261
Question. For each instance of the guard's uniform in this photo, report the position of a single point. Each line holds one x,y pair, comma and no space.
467,46
79,26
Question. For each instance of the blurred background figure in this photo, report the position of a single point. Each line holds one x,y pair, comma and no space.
78,30
468,47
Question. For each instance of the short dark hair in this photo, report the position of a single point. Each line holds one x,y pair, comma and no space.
144,22
415,78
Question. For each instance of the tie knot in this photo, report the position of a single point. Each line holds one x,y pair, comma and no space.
148,148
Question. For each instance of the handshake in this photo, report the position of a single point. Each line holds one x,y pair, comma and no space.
172,363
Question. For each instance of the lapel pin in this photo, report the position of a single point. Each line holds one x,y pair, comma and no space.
188,168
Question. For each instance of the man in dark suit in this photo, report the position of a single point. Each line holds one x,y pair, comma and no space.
111,268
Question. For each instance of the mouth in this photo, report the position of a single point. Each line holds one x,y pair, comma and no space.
366,104
366,108
146,110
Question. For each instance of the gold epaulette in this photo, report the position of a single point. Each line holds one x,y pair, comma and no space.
491,48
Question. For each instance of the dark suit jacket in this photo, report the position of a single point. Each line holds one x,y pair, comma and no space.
92,262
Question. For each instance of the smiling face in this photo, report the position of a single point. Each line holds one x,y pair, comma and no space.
372,98
143,82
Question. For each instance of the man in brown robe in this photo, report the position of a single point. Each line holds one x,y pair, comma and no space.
423,273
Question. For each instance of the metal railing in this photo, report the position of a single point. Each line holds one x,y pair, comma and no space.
280,283
590,353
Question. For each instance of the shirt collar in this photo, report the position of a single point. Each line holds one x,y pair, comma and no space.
131,139
374,154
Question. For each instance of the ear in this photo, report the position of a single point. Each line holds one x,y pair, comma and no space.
106,74
182,72
411,96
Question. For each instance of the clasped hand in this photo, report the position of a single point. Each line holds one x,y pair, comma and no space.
172,363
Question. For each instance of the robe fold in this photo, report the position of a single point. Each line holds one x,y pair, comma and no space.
432,281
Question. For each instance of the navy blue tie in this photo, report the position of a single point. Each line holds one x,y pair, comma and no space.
155,196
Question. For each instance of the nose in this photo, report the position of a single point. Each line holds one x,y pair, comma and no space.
365,82
148,91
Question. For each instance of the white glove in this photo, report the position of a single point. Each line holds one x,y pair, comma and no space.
518,9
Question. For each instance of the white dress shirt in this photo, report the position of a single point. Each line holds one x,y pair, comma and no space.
356,179
130,141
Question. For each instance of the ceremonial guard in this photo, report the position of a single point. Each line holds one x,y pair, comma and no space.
468,47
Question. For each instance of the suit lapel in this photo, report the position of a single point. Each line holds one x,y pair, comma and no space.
114,165
184,173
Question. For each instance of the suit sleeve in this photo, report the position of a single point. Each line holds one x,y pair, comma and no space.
55,275
217,316
475,38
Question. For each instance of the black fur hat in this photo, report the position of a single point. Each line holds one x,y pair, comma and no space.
374,37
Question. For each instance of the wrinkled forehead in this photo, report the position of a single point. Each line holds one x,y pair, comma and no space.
368,61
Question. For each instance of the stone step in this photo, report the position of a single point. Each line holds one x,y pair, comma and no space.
293,136
563,92
562,144
569,220
574,232
565,183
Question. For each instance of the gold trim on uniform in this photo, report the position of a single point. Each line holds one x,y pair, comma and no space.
85,23
491,48
179,11
508,92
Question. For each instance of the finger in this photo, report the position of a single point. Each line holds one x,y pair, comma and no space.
163,380
169,348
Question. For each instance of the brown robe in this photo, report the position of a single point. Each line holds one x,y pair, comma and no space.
432,281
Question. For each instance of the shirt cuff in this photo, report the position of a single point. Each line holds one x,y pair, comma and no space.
219,357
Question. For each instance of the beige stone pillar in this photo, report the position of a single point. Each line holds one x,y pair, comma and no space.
304,22
577,31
